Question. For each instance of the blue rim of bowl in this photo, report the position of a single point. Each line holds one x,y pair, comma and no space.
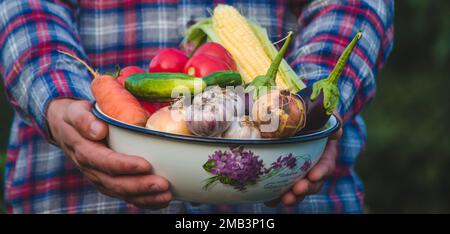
295,139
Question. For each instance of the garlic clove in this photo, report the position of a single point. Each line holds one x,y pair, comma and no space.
243,128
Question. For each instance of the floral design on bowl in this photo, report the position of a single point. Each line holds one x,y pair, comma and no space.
241,168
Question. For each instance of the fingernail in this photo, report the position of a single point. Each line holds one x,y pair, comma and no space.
96,127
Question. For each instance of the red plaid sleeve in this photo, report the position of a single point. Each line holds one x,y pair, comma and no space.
33,72
326,27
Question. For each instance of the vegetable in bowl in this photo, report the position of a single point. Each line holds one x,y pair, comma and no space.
161,87
122,105
322,98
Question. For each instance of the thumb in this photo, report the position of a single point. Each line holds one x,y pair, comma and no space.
79,116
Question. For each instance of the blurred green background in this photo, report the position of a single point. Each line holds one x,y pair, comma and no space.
407,158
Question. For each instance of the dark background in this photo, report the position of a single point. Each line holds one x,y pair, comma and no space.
406,163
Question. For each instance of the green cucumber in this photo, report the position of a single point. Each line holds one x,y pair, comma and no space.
158,87
223,79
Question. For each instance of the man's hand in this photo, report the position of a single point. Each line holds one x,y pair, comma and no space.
76,130
313,181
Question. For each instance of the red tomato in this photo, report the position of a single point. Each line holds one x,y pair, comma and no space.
126,72
203,65
218,51
152,107
168,60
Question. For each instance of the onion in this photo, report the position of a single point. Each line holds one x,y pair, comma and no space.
279,114
243,129
168,119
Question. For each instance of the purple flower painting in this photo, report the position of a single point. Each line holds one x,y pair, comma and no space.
240,168
236,167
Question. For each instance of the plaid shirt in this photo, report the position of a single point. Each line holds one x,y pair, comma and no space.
40,179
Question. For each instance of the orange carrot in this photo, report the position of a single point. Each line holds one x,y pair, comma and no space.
113,99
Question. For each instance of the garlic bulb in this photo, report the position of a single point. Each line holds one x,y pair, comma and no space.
243,128
212,111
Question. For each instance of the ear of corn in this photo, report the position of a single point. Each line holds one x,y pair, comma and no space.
247,42
238,38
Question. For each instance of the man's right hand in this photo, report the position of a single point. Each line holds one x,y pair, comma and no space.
76,130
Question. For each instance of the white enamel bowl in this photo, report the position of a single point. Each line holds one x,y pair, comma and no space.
181,159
